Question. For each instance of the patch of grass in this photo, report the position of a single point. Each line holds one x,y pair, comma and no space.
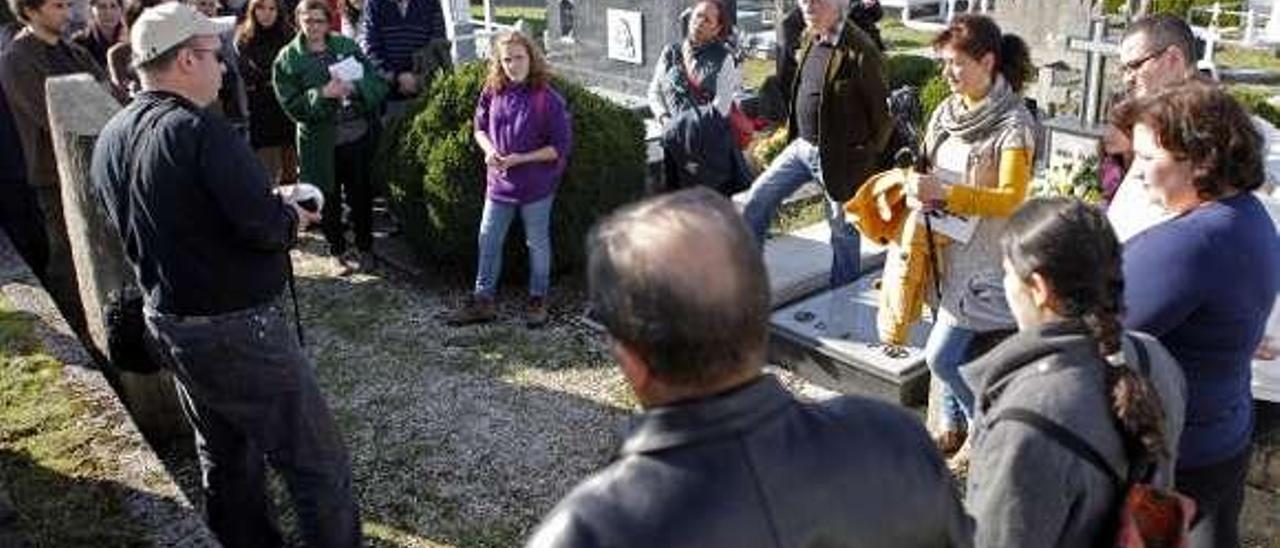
1236,57
621,395
754,71
899,37
534,16
491,535
343,316
59,486
379,535
1255,100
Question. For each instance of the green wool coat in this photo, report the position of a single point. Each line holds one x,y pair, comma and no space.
298,79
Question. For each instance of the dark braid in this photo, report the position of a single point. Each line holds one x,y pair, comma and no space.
1071,245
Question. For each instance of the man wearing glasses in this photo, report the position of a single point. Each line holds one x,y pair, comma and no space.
209,241
1157,51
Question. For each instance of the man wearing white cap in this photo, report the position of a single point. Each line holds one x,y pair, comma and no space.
209,241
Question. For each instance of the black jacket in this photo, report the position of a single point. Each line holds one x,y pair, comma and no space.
756,467
699,149
194,208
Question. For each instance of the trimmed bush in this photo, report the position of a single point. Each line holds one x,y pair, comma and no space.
1255,101
932,94
909,70
436,176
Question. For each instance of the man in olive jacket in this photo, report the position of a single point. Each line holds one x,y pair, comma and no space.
724,455
838,126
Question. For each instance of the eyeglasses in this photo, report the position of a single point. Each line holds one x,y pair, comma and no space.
1136,64
217,52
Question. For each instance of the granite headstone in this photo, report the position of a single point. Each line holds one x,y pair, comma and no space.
78,109
613,44
1045,25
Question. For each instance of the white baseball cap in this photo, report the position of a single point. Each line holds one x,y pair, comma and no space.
161,28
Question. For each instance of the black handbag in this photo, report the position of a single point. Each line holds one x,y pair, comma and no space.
127,333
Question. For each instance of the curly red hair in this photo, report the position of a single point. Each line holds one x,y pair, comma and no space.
539,71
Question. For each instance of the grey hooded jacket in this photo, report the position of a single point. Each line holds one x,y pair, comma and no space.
1027,489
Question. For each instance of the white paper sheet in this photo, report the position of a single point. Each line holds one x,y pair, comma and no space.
950,164
347,70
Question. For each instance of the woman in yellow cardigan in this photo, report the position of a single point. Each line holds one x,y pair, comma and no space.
979,142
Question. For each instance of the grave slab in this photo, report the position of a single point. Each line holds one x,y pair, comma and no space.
1045,25
799,262
830,339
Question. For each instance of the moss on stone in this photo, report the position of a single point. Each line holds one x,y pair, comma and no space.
60,487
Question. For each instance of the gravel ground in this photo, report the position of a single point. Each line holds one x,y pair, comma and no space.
468,436
459,436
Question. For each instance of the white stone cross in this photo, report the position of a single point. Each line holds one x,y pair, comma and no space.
1097,49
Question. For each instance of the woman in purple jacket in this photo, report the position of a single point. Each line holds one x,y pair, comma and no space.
523,129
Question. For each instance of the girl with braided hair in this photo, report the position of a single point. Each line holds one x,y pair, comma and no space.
1072,365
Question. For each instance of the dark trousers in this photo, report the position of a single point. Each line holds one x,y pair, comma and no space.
251,397
350,186
20,218
1218,490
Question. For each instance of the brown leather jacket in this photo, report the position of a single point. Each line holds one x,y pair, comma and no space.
853,114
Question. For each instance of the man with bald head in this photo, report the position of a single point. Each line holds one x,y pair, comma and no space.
722,454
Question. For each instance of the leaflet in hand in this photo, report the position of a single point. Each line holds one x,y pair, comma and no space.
347,70
950,164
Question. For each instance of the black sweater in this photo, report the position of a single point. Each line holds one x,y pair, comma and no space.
199,222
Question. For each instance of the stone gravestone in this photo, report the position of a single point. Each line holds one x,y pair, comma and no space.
78,109
611,44
1045,25
1072,139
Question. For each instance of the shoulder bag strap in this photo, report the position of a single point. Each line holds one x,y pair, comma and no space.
1063,436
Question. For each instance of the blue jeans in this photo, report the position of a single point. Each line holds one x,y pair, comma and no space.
796,165
944,353
251,397
493,234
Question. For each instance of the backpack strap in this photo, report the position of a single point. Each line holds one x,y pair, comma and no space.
1144,359
1063,436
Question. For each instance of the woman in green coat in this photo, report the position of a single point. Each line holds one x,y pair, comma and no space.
336,121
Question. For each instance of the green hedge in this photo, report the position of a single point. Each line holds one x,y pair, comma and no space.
1182,8
1255,101
436,178
909,70
932,94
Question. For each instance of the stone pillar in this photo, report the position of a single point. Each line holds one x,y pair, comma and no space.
457,16
78,109
1272,32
